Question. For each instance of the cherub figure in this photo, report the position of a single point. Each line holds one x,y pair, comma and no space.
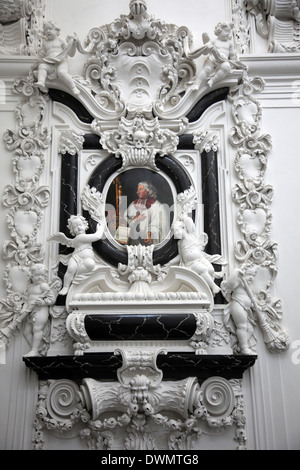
53,58
221,56
236,291
40,295
82,259
191,252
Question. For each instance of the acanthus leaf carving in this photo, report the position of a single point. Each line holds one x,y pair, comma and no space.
202,336
206,141
140,269
124,49
93,202
23,253
71,142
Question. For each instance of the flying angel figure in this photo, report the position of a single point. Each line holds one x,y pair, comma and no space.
82,259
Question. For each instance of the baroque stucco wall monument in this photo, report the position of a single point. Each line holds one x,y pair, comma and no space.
140,266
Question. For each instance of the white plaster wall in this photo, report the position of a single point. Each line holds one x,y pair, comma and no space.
276,378
272,386
77,16
284,170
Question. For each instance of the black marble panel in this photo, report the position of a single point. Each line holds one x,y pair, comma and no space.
175,366
91,142
68,189
68,205
210,200
72,103
140,327
206,101
175,172
186,142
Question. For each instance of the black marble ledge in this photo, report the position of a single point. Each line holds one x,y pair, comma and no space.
175,366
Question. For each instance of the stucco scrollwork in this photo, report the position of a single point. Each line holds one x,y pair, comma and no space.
139,83
29,291
71,142
13,11
202,336
93,202
256,252
241,27
275,20
191,252
82,260
96,410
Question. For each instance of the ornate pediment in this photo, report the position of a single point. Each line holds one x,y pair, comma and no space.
139,65
137,61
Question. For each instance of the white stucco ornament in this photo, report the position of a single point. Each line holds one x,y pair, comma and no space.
53,58
192,254
82,259
142,101
139,82
278,22
221,56
245,310
35,298
138,141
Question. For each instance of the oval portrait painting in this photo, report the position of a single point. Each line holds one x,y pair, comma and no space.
139,208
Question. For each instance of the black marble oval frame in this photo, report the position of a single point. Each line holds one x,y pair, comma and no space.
105,248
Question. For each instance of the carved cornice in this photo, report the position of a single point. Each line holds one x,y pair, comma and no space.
270,66
10,67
